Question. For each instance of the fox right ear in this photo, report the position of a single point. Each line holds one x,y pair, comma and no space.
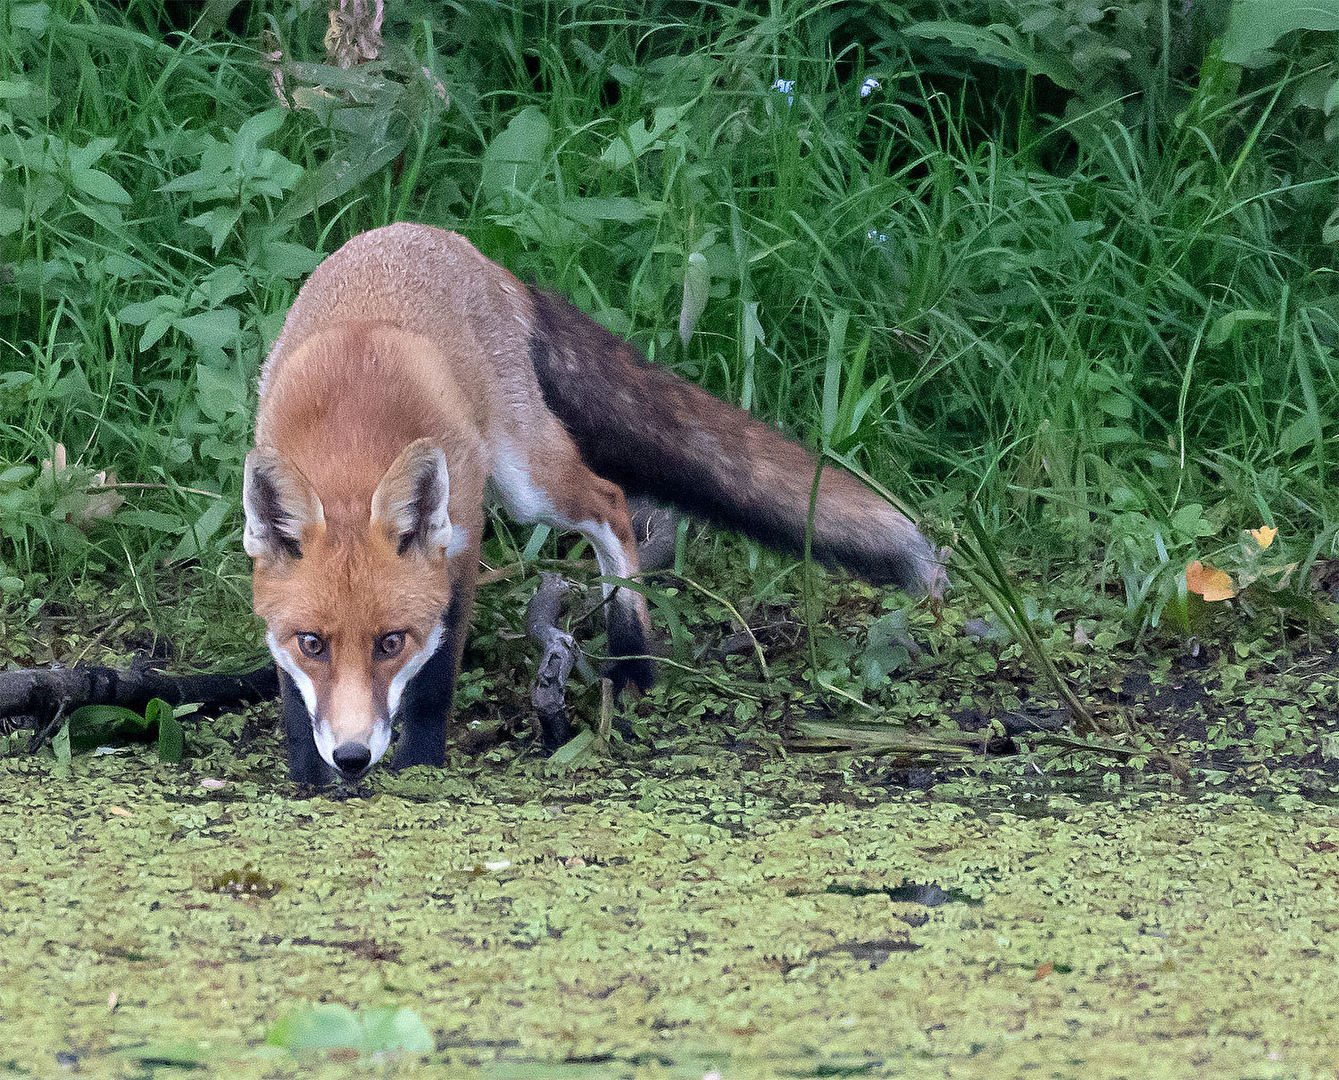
279,504
413,498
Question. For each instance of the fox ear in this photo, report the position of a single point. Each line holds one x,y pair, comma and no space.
411,499
279,504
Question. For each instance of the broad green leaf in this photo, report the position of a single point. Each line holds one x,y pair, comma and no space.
1117,405
220,391
140,313
246,143
60,744
98,185
284,259
218,222
1298,434
696,287
336,177
1258,24
92,725
1225,326
324,1026
573,748
30,17
998,45
637,139
1189,521
212,329
591,211
194,540
219,285
514,159
107,716
171,736
153,520
192,181
155,329
16,474
396,1029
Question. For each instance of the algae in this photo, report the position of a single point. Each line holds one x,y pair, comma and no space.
756,915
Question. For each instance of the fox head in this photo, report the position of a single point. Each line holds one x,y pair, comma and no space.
353,605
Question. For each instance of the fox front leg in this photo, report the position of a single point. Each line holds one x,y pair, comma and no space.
426,702
305,765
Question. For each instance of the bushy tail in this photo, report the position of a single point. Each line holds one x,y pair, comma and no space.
656,434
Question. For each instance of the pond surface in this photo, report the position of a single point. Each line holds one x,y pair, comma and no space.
757,917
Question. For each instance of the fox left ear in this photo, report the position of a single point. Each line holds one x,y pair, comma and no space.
412,499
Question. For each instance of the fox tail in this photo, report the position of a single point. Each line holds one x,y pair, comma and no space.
656,434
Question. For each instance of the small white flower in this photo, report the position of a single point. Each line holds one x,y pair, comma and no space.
869,86
787,87
876,236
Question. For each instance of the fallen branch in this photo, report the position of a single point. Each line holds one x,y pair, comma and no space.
549,693
46,697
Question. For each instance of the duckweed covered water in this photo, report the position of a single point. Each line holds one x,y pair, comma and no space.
705,914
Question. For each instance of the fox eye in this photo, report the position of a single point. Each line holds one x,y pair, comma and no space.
389,645
312,645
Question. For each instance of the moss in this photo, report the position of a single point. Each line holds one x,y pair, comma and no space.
747,919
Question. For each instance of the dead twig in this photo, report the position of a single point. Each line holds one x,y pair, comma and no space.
549,693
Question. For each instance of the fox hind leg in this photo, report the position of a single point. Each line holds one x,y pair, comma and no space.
626,616
560,490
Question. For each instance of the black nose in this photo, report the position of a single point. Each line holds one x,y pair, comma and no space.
352,759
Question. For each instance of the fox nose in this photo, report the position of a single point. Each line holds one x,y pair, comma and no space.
352,759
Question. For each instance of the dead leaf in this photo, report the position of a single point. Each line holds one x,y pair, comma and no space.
101,503
84,501
1042,971
1264,536
355,32
1210,583
119,811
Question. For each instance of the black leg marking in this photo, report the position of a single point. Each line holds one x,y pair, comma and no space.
554,730
426,702
304,762
627,638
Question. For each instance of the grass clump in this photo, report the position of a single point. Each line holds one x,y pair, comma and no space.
1074,270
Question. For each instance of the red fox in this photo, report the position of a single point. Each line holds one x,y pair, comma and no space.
413,379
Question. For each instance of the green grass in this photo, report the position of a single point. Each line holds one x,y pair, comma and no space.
1106,314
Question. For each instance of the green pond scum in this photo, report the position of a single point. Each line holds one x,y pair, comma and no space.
694,912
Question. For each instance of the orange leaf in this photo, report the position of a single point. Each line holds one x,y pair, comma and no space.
1208,582
1042,971
1264,536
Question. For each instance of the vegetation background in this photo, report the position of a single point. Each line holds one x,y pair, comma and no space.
1073,264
